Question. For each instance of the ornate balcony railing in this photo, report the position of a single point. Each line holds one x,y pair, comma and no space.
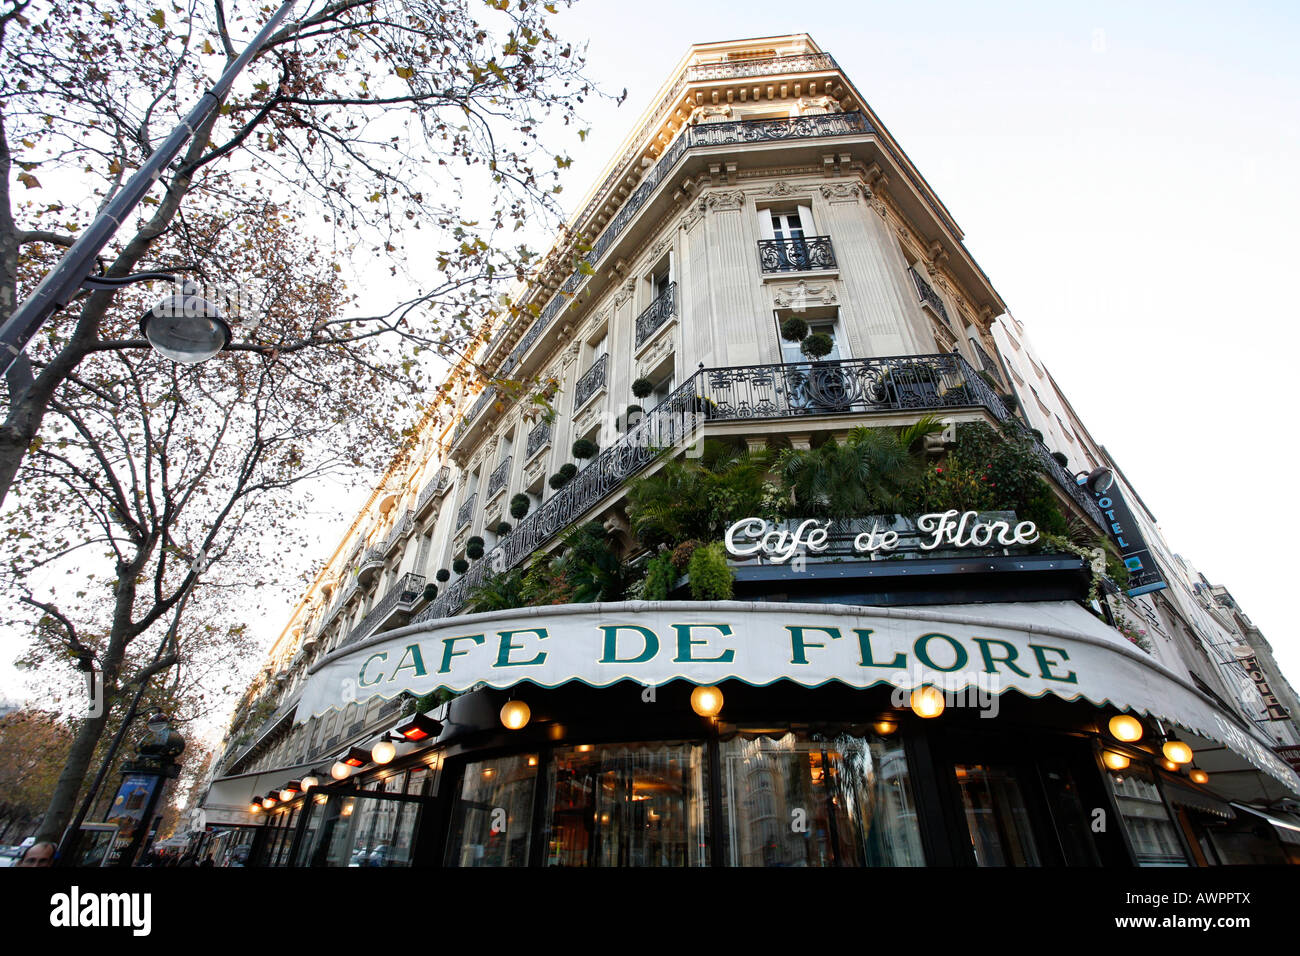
928,295
751,393
656,314
401,528
707,134
372,560
986,362
592,381
434,485
400,597
500,475
796,255
466,511
760,66
537,439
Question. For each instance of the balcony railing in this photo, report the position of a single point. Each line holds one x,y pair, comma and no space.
592,381
372,560
928,295
497,480
537,439
403,526
466,511
434,485
796,255
706,134
656,314
760,66
751,393
400,597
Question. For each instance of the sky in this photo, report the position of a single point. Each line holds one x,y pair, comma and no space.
1123,175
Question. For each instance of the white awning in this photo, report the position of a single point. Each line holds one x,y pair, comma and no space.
1036,648
228,799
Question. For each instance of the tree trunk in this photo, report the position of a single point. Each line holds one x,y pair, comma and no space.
63,801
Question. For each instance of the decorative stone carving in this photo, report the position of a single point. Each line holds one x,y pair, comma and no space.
588,418
534,468
660,247
782,188
842,192
817,104
660,346
710,114
723,200
799,295
625,292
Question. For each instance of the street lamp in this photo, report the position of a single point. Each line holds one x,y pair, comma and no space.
185,328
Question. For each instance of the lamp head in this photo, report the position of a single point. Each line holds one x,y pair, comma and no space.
186,328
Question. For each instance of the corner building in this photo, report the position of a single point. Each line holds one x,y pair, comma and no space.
759,188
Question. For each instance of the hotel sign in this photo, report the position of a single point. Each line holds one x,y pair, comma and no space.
1144,574
1271,704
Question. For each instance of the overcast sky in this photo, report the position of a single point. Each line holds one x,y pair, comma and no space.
1124,177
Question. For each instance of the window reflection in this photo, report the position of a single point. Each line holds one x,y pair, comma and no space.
347,831
1150,830
491,822
996,816
627,806
842,800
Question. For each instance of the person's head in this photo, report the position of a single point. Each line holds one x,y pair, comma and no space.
38,854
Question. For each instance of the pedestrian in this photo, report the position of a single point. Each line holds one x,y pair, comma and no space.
38,854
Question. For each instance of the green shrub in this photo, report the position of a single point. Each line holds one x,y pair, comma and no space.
443,574
460,565
642,387
474,549
430,592
585,448
563,476
519,505
503,528
660,576
794,329
817,345
711,576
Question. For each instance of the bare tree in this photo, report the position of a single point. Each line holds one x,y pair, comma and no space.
360,120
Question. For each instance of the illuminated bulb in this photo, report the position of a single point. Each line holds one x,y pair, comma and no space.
927,702
1199,776
340,770
1178,752
286,794
1169,765
706,701
309,781
268,803
1125,728
532,761
886,727
383,752
254,808
515,715
1115,761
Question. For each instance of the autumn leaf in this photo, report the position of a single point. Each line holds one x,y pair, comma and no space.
159,18
28,180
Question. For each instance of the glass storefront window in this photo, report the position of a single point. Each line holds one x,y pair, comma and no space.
493,815
345,831
840,800
1150,830
996,816
632,805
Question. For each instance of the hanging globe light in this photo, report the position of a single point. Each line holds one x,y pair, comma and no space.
1126,728
927,701
1177,751
706,701
515,715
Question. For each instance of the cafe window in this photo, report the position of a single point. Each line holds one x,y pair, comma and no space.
1150,831
363,830
493,815
833,800
996,816
635,805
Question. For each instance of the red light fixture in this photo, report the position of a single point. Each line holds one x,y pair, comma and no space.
355,757
419,727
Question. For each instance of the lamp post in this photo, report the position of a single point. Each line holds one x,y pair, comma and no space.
73,271
143,781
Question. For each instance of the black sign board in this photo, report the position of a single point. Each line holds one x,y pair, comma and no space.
1143,573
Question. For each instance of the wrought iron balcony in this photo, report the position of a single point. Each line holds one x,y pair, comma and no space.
400,598
656,314
855,387
401,528
796,255
500,475
466,511
538,438
371,562
706,134
760,66
592,381
928,295
438,483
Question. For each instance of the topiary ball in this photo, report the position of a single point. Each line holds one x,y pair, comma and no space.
817,345
430,592
568,471
474,541
503,528
558,480
460,565
519,505
585,448
443,575
642,387
474,551
1061,459
794,329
